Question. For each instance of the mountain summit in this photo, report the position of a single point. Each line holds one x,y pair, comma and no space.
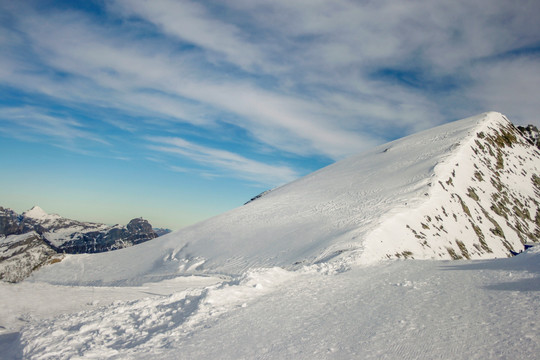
467,189
39,214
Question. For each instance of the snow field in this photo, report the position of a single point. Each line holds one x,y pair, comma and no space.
392,310
389,310
25,302
127,327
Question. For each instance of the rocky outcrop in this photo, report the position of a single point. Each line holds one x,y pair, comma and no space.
531,133
161,231
257,197
9,222
34,238
22,254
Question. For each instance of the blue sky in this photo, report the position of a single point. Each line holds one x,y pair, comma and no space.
179,110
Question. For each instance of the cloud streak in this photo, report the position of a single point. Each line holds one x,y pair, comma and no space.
34,124
190,22
221,162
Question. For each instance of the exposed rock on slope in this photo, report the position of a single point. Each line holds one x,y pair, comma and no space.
22,254
483,201
531,133
33,239
257,196
161,231
468,189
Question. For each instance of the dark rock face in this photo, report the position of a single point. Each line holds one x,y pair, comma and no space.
137,231
531,133
9,222
257,197
161,232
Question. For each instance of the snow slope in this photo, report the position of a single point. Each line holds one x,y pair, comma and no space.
432,195
390,310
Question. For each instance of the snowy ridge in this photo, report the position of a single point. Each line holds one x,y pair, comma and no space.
483,202
468,189
386,203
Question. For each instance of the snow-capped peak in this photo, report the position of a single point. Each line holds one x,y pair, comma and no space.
38,213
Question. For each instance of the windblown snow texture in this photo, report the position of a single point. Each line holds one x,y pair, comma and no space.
467,189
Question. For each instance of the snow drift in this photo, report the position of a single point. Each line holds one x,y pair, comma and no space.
465,189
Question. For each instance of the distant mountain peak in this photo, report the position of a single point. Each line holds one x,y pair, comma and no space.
39,214
35,211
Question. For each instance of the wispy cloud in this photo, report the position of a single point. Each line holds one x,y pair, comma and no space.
35,124
284,121
222,163
190,22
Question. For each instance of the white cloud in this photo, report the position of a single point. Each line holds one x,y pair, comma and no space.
190,22
225,162
510,86
33,124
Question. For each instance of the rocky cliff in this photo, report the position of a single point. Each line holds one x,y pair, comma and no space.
34,238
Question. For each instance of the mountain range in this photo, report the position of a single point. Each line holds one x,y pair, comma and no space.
35,238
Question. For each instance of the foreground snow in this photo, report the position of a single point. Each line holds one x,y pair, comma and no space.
396,309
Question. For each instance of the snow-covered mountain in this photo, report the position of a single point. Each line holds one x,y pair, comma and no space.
467,189
299,286
35,238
